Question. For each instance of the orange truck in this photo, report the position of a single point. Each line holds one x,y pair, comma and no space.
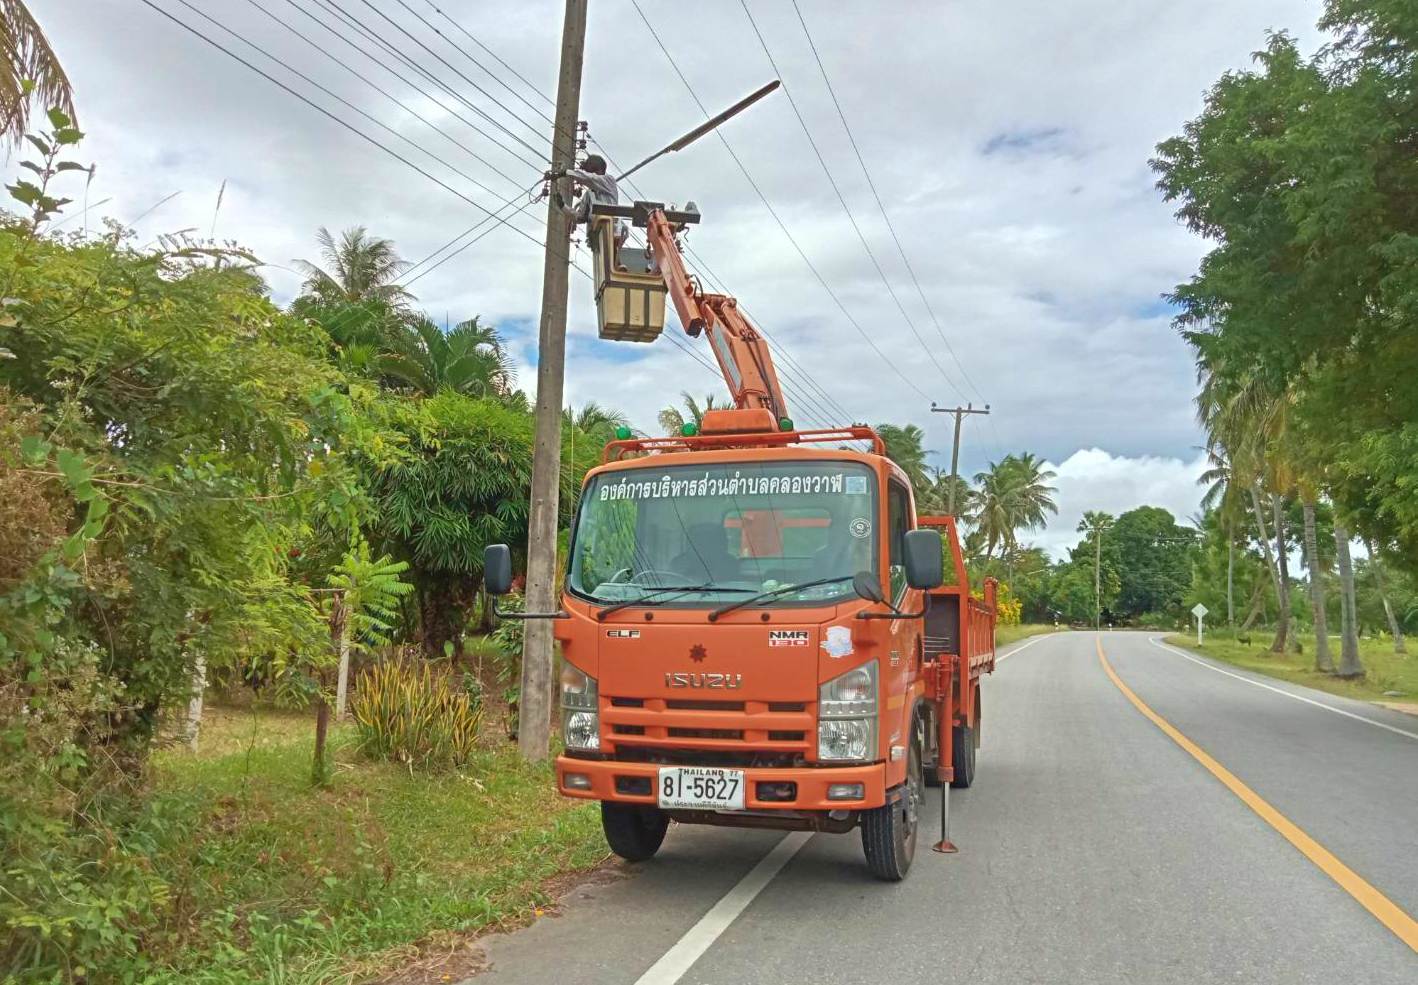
757,630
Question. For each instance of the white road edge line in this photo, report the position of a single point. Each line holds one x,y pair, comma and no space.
1280,690
688,949
1029,642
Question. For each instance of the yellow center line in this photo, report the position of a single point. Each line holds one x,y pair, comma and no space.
1384,909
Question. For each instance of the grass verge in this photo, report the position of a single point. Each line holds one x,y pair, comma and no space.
272,880
1384,670
1011,634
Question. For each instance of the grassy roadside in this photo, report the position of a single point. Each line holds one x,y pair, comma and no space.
272,880
1011,634
1384,670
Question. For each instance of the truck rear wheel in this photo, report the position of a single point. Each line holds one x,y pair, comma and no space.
634,831
889,831
963,745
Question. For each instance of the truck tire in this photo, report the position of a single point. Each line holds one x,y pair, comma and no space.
963,745
889,831
634,831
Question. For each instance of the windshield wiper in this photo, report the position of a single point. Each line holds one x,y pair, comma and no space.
774,593
652,597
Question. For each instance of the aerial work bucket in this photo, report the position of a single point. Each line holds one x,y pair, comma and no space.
630,295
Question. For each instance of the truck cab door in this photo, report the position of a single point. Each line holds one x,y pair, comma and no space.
902,666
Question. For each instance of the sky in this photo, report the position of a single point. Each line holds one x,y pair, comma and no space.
1007,144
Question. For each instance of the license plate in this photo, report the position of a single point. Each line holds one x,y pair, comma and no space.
701,787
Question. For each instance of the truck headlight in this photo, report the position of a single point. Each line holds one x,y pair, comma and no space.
847,715
580,715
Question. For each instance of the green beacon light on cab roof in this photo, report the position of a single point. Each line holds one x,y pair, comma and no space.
785,424
689,429
622,433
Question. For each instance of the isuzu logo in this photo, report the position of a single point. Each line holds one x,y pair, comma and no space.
717,681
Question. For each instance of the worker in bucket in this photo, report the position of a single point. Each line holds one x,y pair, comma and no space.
597,187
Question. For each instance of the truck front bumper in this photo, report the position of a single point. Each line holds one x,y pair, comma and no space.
634,783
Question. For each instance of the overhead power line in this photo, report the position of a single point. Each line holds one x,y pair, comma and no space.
337,30
842,200
491,215
538,161
443,61
335,118
376,87
773,212
806,381
877,197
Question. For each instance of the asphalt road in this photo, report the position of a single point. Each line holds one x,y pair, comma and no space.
1094,848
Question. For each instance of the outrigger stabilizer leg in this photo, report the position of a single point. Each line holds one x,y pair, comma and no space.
945,846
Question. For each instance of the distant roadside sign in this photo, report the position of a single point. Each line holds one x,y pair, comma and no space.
1199,610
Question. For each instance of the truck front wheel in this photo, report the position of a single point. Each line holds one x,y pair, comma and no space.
889,831
634,831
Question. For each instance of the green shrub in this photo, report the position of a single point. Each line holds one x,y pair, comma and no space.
410,712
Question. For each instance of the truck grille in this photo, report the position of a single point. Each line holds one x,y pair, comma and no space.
706,731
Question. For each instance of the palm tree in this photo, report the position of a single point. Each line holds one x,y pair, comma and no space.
1323,661
1249,419
32,71
1224,496
359,268
1349,663
936,497
1012,495
470,359
904,447
672,419
1394,626
1031,497
585,432
989,509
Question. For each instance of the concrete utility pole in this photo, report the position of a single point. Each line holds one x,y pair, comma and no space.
534,710
959,413
1097,578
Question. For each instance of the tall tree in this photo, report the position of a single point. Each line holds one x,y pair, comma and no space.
1298,175
1324,662
458,483
1394,626
358,268
31,74
1225,497
1349,663
1154,557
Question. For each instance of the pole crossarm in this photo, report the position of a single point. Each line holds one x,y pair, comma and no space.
960,414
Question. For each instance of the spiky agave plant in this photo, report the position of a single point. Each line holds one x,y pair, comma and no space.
410,712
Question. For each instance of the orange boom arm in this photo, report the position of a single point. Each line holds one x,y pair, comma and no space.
739,348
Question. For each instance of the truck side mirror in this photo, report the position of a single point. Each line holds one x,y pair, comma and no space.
497,569
866,586
923,555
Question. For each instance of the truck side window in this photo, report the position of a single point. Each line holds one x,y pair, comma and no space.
898,505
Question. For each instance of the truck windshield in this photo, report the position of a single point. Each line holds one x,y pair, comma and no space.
723,530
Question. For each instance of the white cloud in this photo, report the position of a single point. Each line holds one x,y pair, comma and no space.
1009,144
1093,479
